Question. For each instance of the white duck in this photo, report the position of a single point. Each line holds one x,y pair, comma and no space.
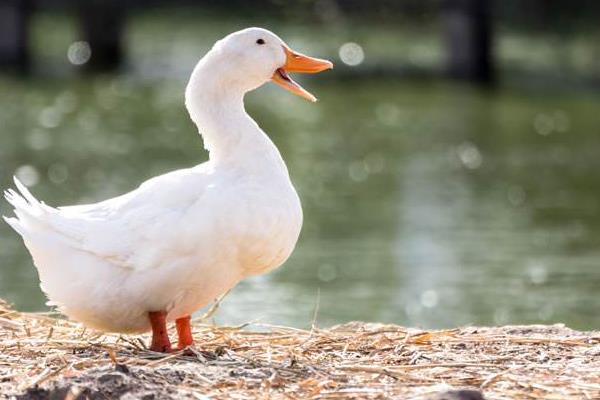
169,247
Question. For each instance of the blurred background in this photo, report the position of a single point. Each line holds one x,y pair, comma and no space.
449,173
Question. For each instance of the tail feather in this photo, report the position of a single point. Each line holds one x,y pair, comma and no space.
15,199
24,197
33,215
27,208
23,189
26,193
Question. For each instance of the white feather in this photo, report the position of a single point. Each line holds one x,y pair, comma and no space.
180,239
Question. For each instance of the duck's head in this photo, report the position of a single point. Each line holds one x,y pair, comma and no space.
251,57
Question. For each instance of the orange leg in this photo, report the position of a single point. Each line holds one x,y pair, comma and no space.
160,336
184,332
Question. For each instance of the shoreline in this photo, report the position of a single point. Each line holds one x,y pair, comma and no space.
42,357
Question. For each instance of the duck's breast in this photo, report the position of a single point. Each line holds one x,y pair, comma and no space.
268,223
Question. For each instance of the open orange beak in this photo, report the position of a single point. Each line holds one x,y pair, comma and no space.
296,62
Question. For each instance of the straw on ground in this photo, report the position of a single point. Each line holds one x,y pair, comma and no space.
43,356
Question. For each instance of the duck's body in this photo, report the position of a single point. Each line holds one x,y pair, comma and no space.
181,239
174,244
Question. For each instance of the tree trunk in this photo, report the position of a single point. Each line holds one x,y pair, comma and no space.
102,26
14,37
468,37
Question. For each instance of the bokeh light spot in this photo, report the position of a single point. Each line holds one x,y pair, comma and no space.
543,124
538,274
352,54
358,171
58,173
79,53
469,155
50,117
429,298
28,175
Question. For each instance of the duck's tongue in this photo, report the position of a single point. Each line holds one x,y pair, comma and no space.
296,62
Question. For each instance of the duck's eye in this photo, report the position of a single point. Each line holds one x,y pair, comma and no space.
260,41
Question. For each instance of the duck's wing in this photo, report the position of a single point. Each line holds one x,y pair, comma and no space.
142,229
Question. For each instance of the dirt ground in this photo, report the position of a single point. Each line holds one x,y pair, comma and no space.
44,357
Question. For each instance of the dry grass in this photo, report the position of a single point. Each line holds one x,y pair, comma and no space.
42,356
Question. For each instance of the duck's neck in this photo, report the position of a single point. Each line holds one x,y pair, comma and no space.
231,136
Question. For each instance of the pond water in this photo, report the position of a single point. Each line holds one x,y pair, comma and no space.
425,203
